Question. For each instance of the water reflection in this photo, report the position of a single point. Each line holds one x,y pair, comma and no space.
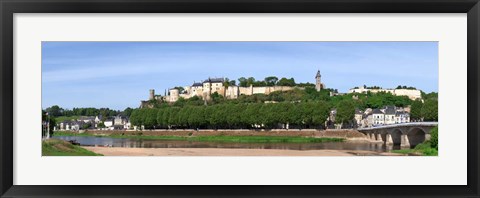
138,143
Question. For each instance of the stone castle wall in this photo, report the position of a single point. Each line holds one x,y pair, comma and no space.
232,92
413,94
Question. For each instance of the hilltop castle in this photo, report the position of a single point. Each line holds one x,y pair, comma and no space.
217,85
413,94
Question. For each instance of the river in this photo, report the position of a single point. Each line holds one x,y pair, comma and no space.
139,143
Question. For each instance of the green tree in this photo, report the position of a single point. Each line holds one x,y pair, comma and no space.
150,118
416,110
196,118
173,117
295,115
345,112
101,125
431,95
160,120
251,114
54,111
286,82
135,117
166,117
321,110
127,111
250,81
180,102
268,116
271,80
242,82
216,98
430,110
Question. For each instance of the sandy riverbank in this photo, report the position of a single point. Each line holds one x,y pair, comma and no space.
117,151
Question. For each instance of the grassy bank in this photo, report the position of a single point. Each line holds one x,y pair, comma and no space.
68,133
428,148
421,149
218,138
240,139
54,147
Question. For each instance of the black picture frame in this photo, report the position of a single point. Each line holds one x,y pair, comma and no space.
10,7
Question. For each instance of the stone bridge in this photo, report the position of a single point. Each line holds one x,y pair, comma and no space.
405,134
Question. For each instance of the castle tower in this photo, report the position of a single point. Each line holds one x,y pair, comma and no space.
174,94
208,89
318,83
152,94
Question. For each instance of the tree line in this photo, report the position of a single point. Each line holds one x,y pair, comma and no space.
269,81
234,116
57,111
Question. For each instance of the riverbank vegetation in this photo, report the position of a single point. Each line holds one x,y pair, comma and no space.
428,148
239,139
214,138
55,147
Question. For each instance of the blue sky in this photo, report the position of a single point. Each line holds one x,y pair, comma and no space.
119,74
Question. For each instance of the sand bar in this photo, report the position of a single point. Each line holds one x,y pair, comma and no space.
118,151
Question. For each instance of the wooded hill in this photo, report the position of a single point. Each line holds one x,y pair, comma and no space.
306,108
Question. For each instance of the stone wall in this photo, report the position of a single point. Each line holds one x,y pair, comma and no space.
232,92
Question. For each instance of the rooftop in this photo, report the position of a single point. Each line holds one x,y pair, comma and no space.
214,80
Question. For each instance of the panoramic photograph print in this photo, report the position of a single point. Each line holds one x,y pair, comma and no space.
239,98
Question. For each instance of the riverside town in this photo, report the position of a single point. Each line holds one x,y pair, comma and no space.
218,106
245,116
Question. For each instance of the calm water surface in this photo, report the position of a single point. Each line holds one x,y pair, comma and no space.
138,143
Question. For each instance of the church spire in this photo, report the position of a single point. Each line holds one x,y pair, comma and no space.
318,81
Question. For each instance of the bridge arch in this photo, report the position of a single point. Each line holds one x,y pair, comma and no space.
396,136
416,136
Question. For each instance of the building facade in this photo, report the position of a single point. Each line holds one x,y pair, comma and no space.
383,116
413,94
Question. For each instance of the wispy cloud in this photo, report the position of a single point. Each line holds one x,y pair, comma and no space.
73,72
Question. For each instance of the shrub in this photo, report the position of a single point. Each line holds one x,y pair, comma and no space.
434,138
430,152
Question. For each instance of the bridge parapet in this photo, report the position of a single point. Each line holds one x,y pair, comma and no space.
408,124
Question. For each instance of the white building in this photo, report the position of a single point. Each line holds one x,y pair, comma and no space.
108,123
402,117
359,117
384,116
98,119
413,94
390,112
120,122
378,117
